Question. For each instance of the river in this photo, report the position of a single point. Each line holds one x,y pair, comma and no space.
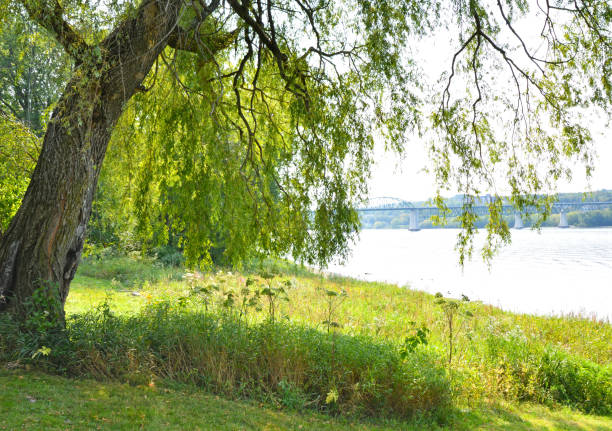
551,272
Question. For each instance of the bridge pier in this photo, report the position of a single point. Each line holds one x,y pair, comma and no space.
563,220
518,221
414,221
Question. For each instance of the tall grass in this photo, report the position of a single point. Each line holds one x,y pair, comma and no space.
545,374
129,271
291,364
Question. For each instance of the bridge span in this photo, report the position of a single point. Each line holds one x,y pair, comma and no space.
420,213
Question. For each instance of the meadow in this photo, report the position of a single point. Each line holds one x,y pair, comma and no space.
318,347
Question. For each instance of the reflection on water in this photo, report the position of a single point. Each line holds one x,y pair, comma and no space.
555,271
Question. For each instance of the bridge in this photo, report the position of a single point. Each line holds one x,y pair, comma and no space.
420,213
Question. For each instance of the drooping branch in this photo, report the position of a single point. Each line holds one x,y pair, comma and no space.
270,42
530,55
295,80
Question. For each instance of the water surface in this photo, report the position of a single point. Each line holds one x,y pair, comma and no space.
554,271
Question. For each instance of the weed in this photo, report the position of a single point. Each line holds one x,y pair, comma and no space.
274,293
221,353
418,337
333,298
545,374
292,396
452,309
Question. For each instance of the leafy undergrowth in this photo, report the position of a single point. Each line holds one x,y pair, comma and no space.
34,401
373,308
278,361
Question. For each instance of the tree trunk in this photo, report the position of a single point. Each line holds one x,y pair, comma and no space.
43,244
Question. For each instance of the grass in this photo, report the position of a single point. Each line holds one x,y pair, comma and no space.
494,353
372,308
270,348
292,364
35,401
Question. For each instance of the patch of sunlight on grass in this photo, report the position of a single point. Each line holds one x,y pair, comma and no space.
563,419
527,417
87,292
36,402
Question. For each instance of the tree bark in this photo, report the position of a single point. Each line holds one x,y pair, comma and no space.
43,244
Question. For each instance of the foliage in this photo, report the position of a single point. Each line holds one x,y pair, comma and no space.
453,310
41,337
414,340
217,351
266,147
18,153
333,299
546,374
598,218
169,256
128,271
523,137
33,70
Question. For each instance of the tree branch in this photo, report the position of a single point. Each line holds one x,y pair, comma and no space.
186,41
49,15
271,44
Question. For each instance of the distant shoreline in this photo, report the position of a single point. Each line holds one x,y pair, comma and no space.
458,228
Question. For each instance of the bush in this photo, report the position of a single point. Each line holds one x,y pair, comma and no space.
576,381
169,256
548,375
41,338
295,365
128,271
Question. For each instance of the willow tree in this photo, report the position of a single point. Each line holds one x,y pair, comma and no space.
267,111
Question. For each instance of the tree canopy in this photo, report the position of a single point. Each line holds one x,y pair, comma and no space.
253,123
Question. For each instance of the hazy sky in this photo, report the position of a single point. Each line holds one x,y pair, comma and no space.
406,179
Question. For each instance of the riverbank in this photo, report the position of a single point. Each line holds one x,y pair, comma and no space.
487,364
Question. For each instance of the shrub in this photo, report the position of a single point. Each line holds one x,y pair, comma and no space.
294,364
169,256
576,381
40,338
527,371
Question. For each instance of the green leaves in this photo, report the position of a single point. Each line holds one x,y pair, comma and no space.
418,336
267,148
19,149
514,125
33,69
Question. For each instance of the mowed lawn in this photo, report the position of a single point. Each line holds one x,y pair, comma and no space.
35,401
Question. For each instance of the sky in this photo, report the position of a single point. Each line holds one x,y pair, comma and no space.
406,178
